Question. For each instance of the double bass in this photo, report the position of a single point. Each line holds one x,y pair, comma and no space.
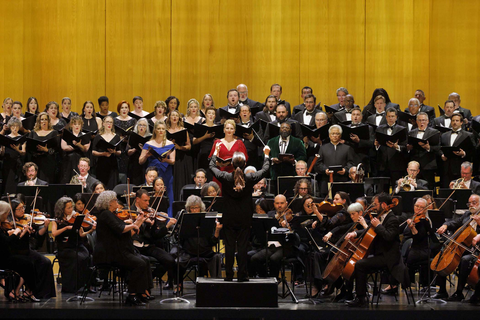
364,245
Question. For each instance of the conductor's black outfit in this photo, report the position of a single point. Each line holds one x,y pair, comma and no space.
237,220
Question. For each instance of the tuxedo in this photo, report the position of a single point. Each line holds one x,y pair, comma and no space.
467,114
451,167
389,161
252,147
363,149
89,183
421,185
37,183
263,115
341,116
299,117
371,120
427,159
440,121
331,155
301,107
218,117
251,103
430,111
295,147
369,109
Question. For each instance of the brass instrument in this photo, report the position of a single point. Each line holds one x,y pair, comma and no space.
405,185
359,174
459,184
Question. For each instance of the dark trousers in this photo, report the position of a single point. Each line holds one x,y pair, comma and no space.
140,277
363,268
275,256
466,264
163,257
239,237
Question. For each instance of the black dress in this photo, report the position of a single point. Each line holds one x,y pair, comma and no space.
107,167
67,255
60,125
115,246
46,161
202,157
124,160
182,172
135,171
90,125
12,164
70,163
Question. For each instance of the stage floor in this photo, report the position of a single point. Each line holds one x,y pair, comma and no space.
106,308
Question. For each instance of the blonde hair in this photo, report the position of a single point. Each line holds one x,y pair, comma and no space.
37,122
189,103
230,121
154,134
180,120
102,129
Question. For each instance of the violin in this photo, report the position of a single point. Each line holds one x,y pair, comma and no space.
328,208
287,215
87,221
125,214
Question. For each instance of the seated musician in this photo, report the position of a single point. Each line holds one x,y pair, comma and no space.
466,182
467,260
331,230
301,170
260,189
385,247
209,260
114,246
411,180
303,187
30,170
150,174
84,178
210,189
150,232
200,179
475,298
367,187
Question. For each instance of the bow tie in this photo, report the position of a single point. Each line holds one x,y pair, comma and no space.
456,132
380,114
421,131
391,127
230,107
272,113
309,113
447,117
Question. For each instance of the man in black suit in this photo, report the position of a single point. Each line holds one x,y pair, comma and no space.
276,90
268,114
346,113
251,141
244,99
232,107
455,138
385,249
430,111
427,154
455,97
413,170
331,154
200,179
30,170
84,177
378,118
391,159
282,117
307,116
341,94
150,174
466,171
445,120
301,107
362,147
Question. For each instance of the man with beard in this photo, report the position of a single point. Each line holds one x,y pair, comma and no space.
285,144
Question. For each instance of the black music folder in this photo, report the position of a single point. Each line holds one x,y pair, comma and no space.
83,138
433,141
363,132
137,141
382,138
104,145
180,137
7,141
199,130
321,132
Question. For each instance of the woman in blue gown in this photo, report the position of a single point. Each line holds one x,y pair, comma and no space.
164,165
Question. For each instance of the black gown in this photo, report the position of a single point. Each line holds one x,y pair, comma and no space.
182,172
90,125
70,163
46,161
67,255
123,160
107,167
202,157
60,125
12,164
136,171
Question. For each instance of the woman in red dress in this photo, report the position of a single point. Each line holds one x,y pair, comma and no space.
228,146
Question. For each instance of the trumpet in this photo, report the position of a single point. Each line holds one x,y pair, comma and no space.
360,173
459,184
405,185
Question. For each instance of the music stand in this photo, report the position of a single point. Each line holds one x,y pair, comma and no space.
148,188
409,196
163,207
177,229
77,224
285,185
378,184
56,191
354,190
189,191
460,195
437,218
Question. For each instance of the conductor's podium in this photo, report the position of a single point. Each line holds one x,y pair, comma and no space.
254,293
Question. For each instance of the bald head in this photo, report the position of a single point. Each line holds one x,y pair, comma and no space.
280,203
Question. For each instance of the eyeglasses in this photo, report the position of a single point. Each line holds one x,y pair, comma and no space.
20,209
471,204
302,188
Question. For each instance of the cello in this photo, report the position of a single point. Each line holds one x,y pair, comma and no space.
364,244
448,259
336,265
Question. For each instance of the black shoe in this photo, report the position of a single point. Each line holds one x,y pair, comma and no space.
143,298
134,301
228,279
390,292
456,296
243,280
341,297
474,299
357,303
440,295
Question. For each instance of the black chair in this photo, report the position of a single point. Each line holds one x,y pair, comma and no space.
115,281
384,274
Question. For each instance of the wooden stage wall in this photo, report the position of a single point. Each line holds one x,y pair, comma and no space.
155,48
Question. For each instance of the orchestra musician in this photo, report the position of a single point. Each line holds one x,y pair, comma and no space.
84,177
67,246
466,182
114,245
385,247
467,260
411,179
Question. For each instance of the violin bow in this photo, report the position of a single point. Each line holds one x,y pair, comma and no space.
34,204
11,211
160,201
213,201
86,206
128,197
284,214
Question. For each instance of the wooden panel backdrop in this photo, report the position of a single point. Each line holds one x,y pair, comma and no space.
156,48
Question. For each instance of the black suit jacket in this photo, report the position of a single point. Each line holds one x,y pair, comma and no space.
389,157
362,149
370,109
440,121
371,120
90,181
299,117
251,103
427,159
218,117
452,164
39,183
428,110
263,116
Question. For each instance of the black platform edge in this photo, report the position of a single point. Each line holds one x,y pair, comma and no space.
157,312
